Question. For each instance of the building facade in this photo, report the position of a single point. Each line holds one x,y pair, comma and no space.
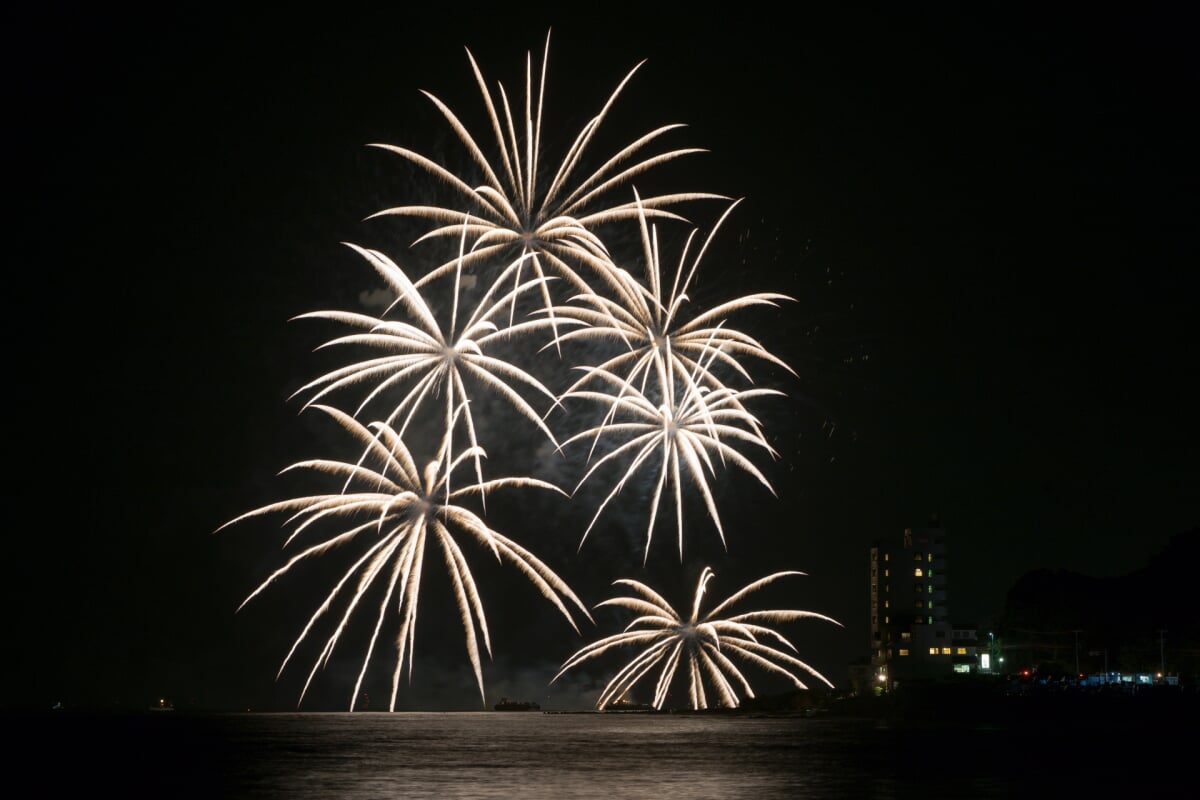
912,637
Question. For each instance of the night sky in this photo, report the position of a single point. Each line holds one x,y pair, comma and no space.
986,218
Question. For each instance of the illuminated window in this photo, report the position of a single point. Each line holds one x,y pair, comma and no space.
903,651
962,667
905,636
960,651
916,556
886,556
887,603
929,572
945,651
886,620
929,556
929,604
886,573
930,587
933,651
931,620
917,572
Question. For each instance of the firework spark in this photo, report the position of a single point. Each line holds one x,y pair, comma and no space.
707,645
680,435
668,384
431,361
515,215
652,339
395,513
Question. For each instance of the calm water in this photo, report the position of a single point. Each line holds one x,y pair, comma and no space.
536,755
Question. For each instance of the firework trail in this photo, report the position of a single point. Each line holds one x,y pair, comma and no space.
705,646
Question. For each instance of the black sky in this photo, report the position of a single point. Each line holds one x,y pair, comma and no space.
987,218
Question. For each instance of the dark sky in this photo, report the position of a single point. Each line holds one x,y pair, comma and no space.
986,217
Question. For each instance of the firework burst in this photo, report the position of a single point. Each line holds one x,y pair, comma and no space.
706,646
669,379
516,212
428,361
683,437
393,512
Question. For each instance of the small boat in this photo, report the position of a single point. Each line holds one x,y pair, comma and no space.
163,705
512,705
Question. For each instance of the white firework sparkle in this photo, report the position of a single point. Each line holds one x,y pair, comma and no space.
516,212
684,436
394,512
670,379
428,361
706,646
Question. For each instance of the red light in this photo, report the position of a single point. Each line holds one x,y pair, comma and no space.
1025,673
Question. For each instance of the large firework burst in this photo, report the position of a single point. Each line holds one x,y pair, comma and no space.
669,380
523,208
428,361
681,437
393,512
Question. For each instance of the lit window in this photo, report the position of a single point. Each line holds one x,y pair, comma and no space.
903,651
916,556
933,651
887,620
929,572
960,651
917,573
931,620
886,573
929,604
886,556
945,651
905,636
887,603
930,587
962,667
929,556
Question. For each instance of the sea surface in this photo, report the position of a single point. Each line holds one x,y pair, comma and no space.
615,755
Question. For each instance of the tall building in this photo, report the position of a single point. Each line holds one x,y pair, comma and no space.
911,633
